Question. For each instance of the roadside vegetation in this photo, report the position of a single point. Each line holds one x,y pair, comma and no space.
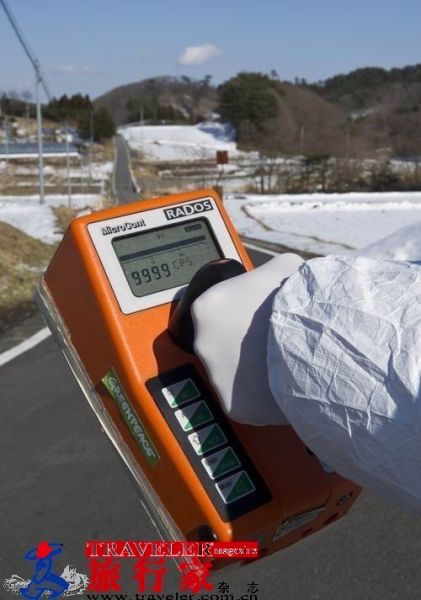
22,260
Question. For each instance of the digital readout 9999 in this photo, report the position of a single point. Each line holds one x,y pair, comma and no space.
166,257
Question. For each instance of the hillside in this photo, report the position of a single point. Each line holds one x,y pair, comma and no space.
371,111
382,104
176,99
305,120
370,86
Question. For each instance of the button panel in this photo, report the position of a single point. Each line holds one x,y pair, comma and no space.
207,439
235,487
193,416
220,463
180,392
211,446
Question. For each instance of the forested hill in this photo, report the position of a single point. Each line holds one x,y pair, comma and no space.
174,99
367,112
370,86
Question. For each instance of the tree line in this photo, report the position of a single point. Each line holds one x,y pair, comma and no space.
77,111
360,114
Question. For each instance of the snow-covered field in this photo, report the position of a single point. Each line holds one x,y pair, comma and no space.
38,220
318,223
329,223
99,171
181,142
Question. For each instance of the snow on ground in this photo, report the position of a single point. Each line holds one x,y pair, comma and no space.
38,220
404,244
327,223
319,223
181,142
99,171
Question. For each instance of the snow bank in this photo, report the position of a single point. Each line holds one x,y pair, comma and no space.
31,218
405,244
38,220
326,223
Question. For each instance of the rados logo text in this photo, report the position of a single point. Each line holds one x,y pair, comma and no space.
186,210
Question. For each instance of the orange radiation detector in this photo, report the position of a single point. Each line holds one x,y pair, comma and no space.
108,296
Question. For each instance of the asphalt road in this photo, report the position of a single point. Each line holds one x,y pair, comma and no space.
123,184
62,481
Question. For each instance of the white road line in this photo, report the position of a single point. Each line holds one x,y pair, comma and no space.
24,346
44,333
259,249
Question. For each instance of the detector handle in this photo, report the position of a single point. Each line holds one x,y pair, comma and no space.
181,328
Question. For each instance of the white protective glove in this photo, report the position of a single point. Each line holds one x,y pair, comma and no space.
231,321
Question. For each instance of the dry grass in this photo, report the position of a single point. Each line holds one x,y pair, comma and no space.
103,152
64,215
22,261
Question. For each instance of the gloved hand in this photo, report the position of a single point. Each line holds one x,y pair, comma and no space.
231,321
343,361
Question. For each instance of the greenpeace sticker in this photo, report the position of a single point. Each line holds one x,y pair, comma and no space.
135,425
186,210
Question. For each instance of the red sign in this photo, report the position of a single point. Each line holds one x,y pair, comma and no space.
221,157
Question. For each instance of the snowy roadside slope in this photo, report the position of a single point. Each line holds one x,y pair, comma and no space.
38,220
404,244
181,142
325,223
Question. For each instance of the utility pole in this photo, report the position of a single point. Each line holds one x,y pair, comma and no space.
141,129
348,144
302,131
6,133
82,176
69,184
27,116
91,141
39,134
39,80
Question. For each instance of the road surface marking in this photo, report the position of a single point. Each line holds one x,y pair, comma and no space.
260,249
24,346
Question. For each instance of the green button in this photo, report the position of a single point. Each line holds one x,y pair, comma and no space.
235,487
181,392
207,439
221,462
214,439
194,415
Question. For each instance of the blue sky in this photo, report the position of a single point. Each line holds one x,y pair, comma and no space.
94,45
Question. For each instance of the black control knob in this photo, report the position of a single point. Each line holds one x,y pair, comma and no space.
181,327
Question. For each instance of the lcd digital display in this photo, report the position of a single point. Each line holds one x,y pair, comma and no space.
166,257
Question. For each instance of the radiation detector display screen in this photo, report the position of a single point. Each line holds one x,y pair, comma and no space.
165,257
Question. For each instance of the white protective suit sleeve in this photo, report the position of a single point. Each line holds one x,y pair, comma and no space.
344,364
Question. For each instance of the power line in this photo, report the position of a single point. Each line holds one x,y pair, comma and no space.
39,80
26,47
